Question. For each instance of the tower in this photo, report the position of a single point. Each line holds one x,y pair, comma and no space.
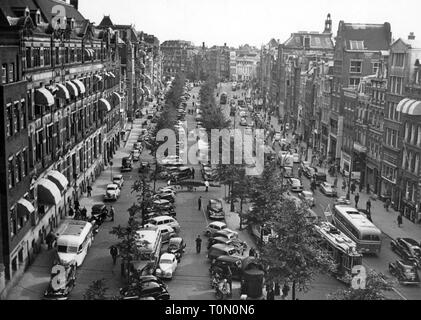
328,24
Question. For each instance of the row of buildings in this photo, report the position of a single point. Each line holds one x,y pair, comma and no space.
355,99
223,62
67,88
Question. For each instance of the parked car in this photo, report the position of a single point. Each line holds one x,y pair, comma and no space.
167,266
307,197
169,196
234,262
238,244
136,154
328,189
215,209
309,172
99,209
183,173
139,291
405,272
342,200
161,204
214,227
126,164
164,221
296,185
226,233
408,249
176,246
112,192
118,180
167,233
218,250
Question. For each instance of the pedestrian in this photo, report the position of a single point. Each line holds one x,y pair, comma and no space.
353,188
199,203
270,295
198,244
277,289
343,185
84,213
399,220
71,212
285,291
207,185
368,206
387,204
357,198
89,188
49,239
252,252
114,253
111,212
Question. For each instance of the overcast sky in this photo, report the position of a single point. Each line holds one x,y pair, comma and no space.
255,22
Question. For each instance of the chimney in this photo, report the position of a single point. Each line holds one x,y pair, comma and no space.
411,36
75,4
203,45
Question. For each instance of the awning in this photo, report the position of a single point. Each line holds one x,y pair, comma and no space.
116,95
147,91
24,207
401,104
88,52
410,107
72,88
98,77
59,179
62,91
48,193
79,84
104,105
141,91
43,97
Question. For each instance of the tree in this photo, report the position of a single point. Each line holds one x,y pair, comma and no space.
96,291
376,286
294,255
144,196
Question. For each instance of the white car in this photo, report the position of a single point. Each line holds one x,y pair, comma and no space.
296,185
164,221
307,197
214,227
328,189
243,122
118,180
167,265
112,192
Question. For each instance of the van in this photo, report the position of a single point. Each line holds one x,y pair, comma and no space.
219,249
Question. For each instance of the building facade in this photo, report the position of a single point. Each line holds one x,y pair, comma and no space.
176,57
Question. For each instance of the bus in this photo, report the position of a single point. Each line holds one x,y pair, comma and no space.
74,240
356,226
341,248
149,243
223,98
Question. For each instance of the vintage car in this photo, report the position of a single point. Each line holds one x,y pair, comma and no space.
214,227
219,249
307,197
167,266
239,245
176,246
62,282
405,272
234,262
328,189
139,291
408,249
112,192
118,180
215,209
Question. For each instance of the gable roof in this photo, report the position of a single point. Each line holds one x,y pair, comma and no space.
375,36
318,41
106,22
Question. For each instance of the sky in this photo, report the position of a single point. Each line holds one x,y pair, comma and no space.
255,22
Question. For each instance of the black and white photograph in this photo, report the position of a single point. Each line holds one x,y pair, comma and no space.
225,152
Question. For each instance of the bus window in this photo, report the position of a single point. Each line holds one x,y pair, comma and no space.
62,249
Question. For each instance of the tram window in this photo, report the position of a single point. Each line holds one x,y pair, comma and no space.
371,237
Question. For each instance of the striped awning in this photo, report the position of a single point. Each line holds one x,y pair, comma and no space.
62,91
48,193
410,107
24,207
79,84
59,179
104,105
44,97
72,88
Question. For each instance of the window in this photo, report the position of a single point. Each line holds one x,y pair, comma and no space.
28,55
11,173
398,59
18,168
355,66
66,55
37,57
13,226
356,45
47,57
12,74
22,115
375,66
24,163
9,121
354,81
16,118
57,50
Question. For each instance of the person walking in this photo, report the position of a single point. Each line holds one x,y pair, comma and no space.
198,244
114,253
352,188
368,206
399,220
357,198
111,213
387,204
50,238
343,185
207,185
252,252
199,203
84,213
89,188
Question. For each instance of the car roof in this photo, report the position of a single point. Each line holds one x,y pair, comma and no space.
309,193
411,241
229,258
160,218
222,246
218,223
112,185
167,256
118,176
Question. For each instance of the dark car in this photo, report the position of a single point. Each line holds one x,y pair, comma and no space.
239,245
127,164
165,196
183,173
215,210
408,249
150,289
309,172
176,246
405,272
235,263
99,209
218,250
320,177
